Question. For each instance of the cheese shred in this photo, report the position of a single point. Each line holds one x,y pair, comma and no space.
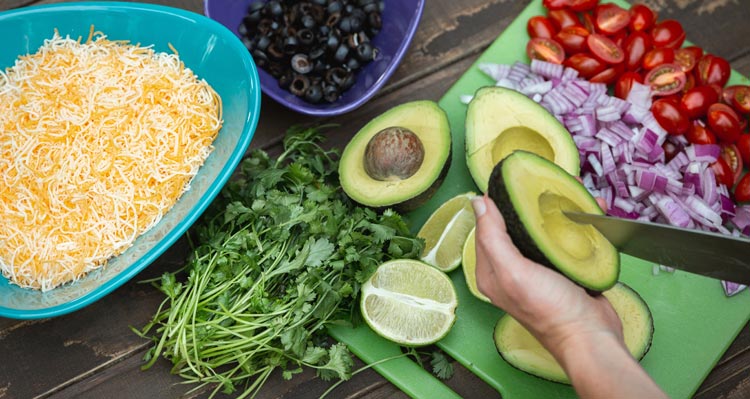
98,140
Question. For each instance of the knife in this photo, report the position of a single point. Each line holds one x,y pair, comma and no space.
709,254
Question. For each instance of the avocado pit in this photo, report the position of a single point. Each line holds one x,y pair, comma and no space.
394,153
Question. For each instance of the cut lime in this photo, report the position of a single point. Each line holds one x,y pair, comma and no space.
469,260
445,232
409,302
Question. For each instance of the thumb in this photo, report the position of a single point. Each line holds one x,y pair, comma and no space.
491,235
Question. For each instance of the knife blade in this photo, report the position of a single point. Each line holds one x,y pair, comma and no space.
706,253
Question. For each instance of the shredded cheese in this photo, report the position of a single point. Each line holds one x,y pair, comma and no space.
98,139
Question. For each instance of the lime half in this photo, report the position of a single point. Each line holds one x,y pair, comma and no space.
445,232
409,302
469,260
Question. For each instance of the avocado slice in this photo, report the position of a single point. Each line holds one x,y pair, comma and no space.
399,159
518,347
500,121
532,193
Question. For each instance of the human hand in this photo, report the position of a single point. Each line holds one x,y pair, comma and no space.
548,304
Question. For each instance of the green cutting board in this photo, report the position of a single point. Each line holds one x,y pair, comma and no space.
694,321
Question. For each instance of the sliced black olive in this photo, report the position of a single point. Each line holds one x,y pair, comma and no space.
352,64
274,8
341,53
299,85
345,24
316,53
371,7
324,30
314,94
373,19
251,20
336,76
364,52
301,64
347,82
290,45
330,92
285,80
308,21
263,43
305,37
242,30
260,57
249,45
334,7
333,42
333,19
275,51
275,69
320,2
318,13
255,7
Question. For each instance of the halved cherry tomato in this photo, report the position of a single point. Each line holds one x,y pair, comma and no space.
625,83
588,22
670,117
727,93
741,99
563,18
642,18
573,39
668,33
731,155
696,101
582,5
724,122
743,144
586,64
723,172
539,26
656,57
718,89
609,75
742,191
699,134
696,51
685,59
546,50
611,18
666,79
605,49
555,4
689,82
712,69
635,47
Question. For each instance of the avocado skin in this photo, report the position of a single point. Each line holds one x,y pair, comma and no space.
499,193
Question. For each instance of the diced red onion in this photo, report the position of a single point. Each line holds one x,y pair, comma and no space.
732,288
495,71
546,69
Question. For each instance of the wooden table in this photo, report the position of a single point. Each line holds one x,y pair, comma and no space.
92,353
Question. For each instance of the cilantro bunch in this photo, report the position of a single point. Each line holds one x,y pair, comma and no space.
281,253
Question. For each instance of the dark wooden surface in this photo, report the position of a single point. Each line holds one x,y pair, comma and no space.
92,353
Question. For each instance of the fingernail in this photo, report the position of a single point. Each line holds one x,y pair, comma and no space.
478,204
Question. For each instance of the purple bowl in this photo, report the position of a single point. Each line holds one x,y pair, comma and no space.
400,21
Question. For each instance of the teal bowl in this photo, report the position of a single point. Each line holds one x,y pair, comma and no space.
214,53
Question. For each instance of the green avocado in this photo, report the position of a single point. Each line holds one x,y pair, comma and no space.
518,347
500,121
399,159
532,193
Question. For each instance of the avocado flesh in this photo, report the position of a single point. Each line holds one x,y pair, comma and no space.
500,121
430,123
519,348
532,193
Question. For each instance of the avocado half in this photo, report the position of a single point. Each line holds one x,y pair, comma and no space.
383,165
518,347
500,121
532,193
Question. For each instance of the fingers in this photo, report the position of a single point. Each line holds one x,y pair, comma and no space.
491,235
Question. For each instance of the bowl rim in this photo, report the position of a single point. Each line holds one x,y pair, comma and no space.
250,125
311,109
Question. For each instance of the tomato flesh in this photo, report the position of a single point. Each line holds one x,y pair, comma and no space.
625,83
611,18
731,155
670,116
656,57
539,26
605,49
712,70
666,79
696,101
573,39
741,99
685,59
742,191
723,172
546,50
642,18
586,65
724,122
699,134
635,47
563,18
